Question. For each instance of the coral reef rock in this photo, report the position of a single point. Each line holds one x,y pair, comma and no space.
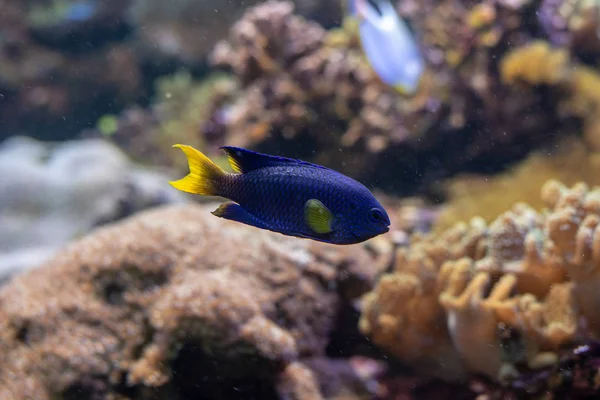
298,84
170,29
301,84
174,303
495,299
50,194
64,62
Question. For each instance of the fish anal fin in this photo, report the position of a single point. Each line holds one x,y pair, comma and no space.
243,160
234,212
318,217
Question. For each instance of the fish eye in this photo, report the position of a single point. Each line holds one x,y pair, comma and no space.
376,215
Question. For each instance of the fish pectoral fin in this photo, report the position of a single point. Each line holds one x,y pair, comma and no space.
235,212
318,217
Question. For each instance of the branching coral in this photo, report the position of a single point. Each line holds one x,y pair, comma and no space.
574,230
406,317
530,272
403,312
470,314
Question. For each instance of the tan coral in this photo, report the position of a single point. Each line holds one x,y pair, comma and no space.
404,313
547,324
535,273
514,245
562,225
427,252
472,323
574,227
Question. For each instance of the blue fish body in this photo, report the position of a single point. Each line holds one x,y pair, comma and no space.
288,196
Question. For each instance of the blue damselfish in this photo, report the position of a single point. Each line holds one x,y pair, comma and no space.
292,197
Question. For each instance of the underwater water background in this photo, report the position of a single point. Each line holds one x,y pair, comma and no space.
475,123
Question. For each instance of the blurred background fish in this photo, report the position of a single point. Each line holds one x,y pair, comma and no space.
388,43
292,197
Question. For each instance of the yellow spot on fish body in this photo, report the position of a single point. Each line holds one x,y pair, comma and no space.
317,216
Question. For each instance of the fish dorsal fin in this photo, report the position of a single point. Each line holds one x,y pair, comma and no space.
242,160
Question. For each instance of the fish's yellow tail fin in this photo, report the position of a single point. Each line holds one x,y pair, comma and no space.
205,177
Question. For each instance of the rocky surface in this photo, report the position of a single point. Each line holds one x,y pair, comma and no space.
52,193
177,304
